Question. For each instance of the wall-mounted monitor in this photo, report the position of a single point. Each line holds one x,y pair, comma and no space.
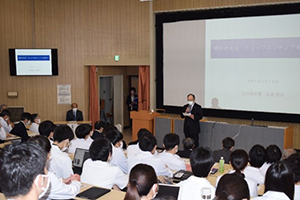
33,62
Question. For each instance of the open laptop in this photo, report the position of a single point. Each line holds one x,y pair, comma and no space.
80,156
167,191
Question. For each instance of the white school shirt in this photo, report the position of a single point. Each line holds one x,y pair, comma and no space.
80,143
174,162
7,127
34,127
61,163
146,157
297,192
191,188
272,195
263,169
254,174
135,149
119,159
2,134
60,190
103,174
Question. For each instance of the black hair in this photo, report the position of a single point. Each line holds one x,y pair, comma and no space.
280,178
98,125
202,160
20,164
294,162
83,130
191,95
108,127
239,160
257,156
25,115
228,143
188,143
46,127
5,112
33,116
114,136
62,133
100,149
170,141
42,141
133,89
143,131
273,154
232,187
141,179
147,142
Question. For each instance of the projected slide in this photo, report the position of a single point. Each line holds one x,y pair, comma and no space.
246,63
33,62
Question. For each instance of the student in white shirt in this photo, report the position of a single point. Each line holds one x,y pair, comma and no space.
133,147
61,163
3,134
239,160
83,141
98,171
118,156
35,122
142,183
257,157
148,146
279,183
202,160
46,128
59,188
173,161
4,120
232,186
294,162
273,155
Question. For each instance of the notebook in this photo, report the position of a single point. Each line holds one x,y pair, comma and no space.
169,192
80,156
93,193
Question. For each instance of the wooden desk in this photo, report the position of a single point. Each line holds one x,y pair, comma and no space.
32,134
13,138
2,145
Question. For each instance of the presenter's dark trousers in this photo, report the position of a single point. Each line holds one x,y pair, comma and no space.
193,135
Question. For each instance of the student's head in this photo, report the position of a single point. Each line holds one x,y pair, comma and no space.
202,160
108,128
142,183
99,126
148,143
3,107
287,153
46,128
239,160
5,114
115,137
280,178
35,118
26,117
273,154
83,130
228,143
22,169
171,142
42,141
101,149
188,143
132,90
294,162
233,187
62,136
257,156
141,132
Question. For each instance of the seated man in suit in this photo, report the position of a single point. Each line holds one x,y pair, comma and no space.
20,128
74,114
188,145
228,145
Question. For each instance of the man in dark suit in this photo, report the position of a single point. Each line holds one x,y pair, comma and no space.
228,145
132,103
74,114
192,113
20,128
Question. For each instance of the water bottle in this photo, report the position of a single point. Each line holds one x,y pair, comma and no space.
221,163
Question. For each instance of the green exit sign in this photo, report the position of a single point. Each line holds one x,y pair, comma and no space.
117,58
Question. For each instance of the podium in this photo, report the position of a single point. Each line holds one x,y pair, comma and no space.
142,119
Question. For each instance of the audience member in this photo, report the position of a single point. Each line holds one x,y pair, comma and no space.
23,171
148,146
98,171
118,156
279,183
74,114
133,147
61,163
4,120
98,130
46,128
287,153
3,134
59,188
202,160
3,107
188,145
257,157
273,155
142,183
83,141
173,161
227,147
20,128
35,122
233,187
294,162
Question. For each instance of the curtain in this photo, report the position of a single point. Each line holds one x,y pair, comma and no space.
94,114
144,88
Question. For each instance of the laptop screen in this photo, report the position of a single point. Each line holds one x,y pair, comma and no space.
169,192
80,156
